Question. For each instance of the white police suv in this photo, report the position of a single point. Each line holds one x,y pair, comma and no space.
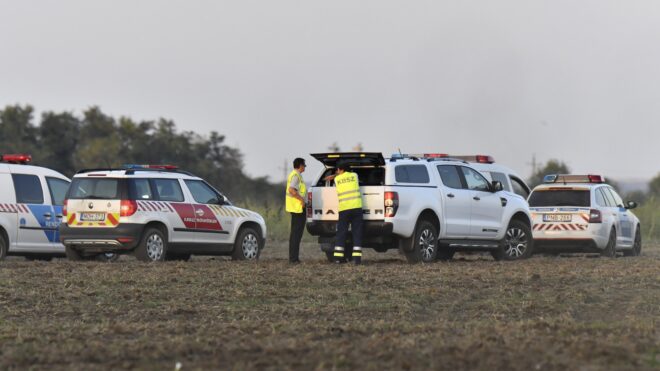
580,213
155,212
30,208
429,206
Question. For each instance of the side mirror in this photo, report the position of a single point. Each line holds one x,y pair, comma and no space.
631,205
497,186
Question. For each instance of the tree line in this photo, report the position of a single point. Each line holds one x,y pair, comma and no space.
67,143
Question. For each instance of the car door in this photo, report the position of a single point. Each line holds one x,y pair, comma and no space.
178,212
35,216
611,213
57,189
456,201
8,214
625,220
487,208
208,229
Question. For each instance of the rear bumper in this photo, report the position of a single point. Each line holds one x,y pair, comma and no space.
125,236
369,228
565,245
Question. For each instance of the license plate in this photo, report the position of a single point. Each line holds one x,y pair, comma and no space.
557,217
92,217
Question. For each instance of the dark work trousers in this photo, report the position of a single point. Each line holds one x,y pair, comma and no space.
297,228
352,217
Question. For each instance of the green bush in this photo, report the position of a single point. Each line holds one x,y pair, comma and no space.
649,215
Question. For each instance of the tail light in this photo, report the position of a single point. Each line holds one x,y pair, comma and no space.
127,207
64,207
391,204
309,204
595,216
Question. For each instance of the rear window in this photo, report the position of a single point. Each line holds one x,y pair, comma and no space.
411,174
576,198
95,189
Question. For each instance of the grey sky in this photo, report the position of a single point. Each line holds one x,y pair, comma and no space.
574,80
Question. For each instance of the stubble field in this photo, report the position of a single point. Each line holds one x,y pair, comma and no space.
546,313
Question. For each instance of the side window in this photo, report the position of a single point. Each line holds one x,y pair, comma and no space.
474,180
519,187
500,177
617,199
411,174
202,193
139,189
600,199
168,190
28,189
609,199
449,176
58,189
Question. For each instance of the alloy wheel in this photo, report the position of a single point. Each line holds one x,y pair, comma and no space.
515,242
155,247
250,246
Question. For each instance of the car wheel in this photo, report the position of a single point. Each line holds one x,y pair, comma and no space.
74,255
610,248
3,247
445,252
107,257
248,245
153,246
425,243
637,245
517,242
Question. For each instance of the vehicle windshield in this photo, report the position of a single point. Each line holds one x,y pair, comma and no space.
578,198
94,189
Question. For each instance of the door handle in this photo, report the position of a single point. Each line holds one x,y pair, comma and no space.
60,216
451,195
476,198
47,215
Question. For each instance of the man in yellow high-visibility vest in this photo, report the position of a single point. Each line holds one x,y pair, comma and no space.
350,212
295,204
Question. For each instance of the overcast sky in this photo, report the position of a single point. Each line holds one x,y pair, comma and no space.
573,80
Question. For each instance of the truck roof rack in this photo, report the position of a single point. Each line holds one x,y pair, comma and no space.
131,171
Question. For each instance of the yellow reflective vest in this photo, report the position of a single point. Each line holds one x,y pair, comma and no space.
348,191
294,205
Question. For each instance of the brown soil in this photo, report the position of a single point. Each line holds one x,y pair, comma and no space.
546,313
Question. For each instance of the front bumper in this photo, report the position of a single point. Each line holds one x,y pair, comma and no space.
125,236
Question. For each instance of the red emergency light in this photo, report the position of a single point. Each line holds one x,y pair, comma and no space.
435,155
16,158
160,167
483,159
595,178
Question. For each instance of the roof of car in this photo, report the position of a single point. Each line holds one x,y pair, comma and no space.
567,186
29,169
131,173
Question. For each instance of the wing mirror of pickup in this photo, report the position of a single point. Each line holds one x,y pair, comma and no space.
497,186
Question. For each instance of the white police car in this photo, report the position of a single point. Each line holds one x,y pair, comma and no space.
30,208
156,212
580,213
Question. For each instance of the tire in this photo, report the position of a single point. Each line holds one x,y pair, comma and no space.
330,256
73,254
425,243
610,248
107,257
248,245
4,247
445,252
153,246
517,243
637,245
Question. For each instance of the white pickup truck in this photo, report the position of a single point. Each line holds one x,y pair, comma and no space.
429,207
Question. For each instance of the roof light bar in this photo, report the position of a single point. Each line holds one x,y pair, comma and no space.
161,167
16,158
570,178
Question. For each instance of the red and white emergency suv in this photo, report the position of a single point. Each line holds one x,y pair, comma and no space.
580,213
30,208
156,212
